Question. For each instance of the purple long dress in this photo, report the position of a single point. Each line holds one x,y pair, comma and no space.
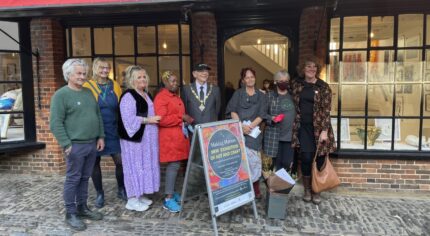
139,160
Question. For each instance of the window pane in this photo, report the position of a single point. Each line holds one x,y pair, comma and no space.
186,73
124,40
426,135
334,99
380,100
426,108
169,63
10,67
334,33
408,134
11,125
354,133
381,66
81,42
121,63
354,66
382,31
353,98
380,130
168,39
146,39
409,65
12,29
333,76
410,30
355,32
185,34
408,99
103,40
150,65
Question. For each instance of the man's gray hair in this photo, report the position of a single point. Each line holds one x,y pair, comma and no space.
69,67
281,73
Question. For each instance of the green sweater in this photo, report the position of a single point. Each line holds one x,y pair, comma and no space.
75,117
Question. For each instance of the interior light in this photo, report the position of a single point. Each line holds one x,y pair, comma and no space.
165,45
267,46
372,34
258,41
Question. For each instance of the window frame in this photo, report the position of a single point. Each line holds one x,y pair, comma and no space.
26,82
364,151
180,55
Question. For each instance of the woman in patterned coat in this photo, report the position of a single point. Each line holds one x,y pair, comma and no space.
312,127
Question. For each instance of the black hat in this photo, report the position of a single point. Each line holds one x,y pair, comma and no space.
201,66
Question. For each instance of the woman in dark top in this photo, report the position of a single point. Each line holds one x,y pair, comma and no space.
248,105
278,132
312,126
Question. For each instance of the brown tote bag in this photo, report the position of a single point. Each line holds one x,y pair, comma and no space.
325,179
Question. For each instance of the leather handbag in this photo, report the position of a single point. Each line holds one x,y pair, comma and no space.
324,179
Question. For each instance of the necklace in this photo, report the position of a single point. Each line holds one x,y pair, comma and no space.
103,89
202,102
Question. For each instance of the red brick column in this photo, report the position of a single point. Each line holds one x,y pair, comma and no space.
47,35
313,19
205,34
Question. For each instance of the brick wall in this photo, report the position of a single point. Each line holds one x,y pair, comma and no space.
313,20
47,35
384,175
204,32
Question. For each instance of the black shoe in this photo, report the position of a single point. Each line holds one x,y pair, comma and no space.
122,194
85,212
100,200
73,221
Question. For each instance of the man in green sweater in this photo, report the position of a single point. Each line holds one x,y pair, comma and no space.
77,125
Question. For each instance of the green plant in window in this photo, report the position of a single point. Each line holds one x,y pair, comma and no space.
372,134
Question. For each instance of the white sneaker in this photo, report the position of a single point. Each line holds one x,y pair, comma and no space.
145,200
134,205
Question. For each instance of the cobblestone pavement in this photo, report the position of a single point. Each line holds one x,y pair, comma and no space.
33,205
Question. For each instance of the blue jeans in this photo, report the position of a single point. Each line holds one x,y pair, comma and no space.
79,166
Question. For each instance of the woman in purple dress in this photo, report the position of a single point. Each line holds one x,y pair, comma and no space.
138,131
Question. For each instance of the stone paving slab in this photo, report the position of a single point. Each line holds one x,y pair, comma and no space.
33,205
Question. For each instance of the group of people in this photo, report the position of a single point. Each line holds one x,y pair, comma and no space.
93,117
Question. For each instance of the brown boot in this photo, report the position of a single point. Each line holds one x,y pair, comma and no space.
307,197
316,198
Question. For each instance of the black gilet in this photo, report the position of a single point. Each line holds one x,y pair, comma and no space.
141,110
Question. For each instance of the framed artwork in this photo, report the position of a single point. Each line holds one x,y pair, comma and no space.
344,129
386,130
4,124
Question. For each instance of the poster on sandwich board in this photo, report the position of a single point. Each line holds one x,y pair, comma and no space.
218,152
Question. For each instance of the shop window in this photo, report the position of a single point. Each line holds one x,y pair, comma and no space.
382,80
154,47
16,110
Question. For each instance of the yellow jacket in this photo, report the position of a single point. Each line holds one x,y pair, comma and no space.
92,85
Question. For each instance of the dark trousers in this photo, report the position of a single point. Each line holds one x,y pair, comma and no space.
307,159
79,166
97,173
285,156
